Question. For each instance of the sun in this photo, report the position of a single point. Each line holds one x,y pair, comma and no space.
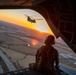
41,28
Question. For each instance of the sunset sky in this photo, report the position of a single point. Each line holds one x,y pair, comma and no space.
17,16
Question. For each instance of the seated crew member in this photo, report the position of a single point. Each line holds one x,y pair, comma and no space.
46,57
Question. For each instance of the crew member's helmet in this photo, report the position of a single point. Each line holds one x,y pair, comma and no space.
50,40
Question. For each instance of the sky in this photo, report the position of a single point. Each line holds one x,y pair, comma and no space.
19,17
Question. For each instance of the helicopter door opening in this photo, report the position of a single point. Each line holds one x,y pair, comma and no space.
23,31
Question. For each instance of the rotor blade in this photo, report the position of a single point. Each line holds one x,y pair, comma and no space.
38,19
26,15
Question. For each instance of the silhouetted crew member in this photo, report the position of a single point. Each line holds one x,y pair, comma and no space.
46,56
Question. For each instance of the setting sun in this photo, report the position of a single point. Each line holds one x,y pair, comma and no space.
41,28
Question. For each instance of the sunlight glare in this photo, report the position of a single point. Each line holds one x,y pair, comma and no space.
34,42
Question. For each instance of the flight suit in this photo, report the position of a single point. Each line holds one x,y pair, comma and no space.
46,56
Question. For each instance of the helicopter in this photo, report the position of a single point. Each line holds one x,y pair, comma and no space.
31,19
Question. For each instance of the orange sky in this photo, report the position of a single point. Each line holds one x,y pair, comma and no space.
17,16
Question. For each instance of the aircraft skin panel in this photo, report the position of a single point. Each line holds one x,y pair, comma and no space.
62,71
